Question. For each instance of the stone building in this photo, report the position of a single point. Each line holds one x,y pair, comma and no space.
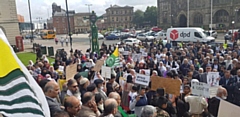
81,25
9,20
118,16
174,13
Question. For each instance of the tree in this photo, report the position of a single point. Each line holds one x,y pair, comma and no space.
150,15
138,18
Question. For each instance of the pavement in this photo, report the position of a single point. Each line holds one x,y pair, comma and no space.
80,42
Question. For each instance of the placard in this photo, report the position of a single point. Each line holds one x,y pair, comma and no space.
125,52
88,64
136,57
227,109
106,72
200,89
144,54
171,86
213,78
98,65
142,79
142,49
71,70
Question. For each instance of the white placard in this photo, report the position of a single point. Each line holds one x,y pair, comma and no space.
142,49
227,109
106,72
200,89
213,78
88,64
144,54
142,79
125,52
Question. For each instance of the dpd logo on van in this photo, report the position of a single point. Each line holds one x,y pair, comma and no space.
174,35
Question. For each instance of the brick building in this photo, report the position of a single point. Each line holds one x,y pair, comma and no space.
81,25
118,16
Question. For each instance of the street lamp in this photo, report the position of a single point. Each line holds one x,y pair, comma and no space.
30,15
211,16
233,30
89,5
69,28
188,14
171,20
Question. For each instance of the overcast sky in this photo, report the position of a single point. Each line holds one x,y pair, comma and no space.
42,8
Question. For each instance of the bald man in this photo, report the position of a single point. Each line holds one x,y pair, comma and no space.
72,105
120,112
213,103
110,107
51,90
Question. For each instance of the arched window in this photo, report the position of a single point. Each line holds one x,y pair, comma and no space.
221,16
198,19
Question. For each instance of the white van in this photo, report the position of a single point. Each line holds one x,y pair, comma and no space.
188,34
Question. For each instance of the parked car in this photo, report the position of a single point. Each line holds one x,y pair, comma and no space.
212,33
124,36
30,36
112,37
161,35
130,41
145,37
100,36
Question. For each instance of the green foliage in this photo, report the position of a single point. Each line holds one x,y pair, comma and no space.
150,16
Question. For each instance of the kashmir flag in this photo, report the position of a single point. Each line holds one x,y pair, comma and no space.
113,60
20,95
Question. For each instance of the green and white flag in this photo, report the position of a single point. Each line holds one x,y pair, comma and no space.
20,95
113,60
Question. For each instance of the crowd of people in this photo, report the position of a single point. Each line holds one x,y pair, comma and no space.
120,96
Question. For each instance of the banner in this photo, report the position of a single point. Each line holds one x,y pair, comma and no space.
213,78
106,72
71,70
227,109
142,79
144,54
98,65
200,89
171,86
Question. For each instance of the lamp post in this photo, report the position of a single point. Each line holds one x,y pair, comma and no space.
171,20
39,19
236,16
30,15
89,5
69,28
211,16
233,30
188,14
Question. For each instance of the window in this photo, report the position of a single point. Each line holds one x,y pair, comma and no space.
125,18
196,34
125,12
116,12
112,12
198,19
113,19
221,16
117,19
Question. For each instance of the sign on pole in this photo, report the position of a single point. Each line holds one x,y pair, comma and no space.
98,65
213,78
106,72
171,86
142,79
200,89
71,70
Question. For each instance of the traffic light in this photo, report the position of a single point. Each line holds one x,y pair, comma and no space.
45,26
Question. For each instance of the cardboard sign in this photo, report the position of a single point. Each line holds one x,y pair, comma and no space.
142,79
106,72
227,109
200,89
98,65
213,78
88,64
71,70
171,86
125,52
144,54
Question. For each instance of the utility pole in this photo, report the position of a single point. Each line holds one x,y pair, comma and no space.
89,5
211,16
30,15
188,13
69,27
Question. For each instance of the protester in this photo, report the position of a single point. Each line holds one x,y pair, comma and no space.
72,105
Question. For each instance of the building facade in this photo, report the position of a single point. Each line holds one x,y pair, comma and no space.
174,13
118,16
9,20
81,25
59,21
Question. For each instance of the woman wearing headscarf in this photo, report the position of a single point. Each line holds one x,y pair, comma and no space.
126,89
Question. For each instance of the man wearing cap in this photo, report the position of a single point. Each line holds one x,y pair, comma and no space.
78,78
84,82
100,87
203,77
